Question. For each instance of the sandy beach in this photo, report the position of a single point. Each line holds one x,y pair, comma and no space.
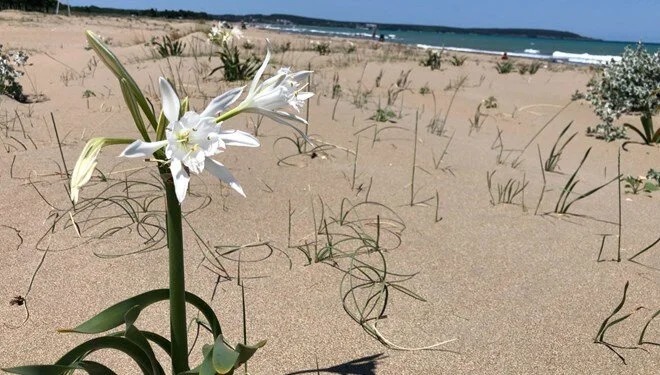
511,288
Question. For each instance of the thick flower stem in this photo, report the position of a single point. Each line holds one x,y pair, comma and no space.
178,328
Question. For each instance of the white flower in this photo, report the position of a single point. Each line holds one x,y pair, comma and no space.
222,35
282,90
192,139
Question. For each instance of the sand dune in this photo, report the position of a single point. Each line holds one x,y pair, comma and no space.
519,291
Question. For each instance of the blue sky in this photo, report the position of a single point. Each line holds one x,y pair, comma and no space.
607,19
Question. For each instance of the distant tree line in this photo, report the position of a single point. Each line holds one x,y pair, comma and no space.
179,14
29,5
49,6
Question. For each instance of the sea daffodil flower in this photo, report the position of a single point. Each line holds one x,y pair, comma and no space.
277,92
192,139
221,35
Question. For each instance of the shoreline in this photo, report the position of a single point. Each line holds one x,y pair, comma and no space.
556,57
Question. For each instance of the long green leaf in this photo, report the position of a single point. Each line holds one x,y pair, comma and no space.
41,370
95,368
133,108
133,334
113,316
77,354
641,135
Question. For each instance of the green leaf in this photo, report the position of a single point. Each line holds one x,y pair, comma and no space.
134,109
650,187
122,344
41,370
224,356
96,368
206,368
135,335
245,352
113,316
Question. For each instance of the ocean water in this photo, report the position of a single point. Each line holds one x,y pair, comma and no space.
578,51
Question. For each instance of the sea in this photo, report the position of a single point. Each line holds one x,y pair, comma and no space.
559,50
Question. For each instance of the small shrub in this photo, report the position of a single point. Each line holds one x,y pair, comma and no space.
323,48
505,67
8,74
425,89
350,47
383,115
534,67
458,60
654,175
490,102
630,86
283,47
633,183
248,45
432,59
523,68
577,95
641,183
607,132
168,47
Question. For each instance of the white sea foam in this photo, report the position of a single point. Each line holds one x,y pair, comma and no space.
557,56
532,51
488,52
303,30
584,58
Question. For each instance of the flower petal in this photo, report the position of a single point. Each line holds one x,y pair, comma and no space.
221,102
222,173
181,179
238,138
80,179
282,117
141,149
171,105
261,70
302,96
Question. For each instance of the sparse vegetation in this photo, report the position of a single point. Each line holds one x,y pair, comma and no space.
551,162
234,67
505,67
433,59
383,115
457,60
10,64
323,48
607,132
577,95
168,47
490,102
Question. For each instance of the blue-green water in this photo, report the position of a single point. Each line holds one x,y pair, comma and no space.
524,46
